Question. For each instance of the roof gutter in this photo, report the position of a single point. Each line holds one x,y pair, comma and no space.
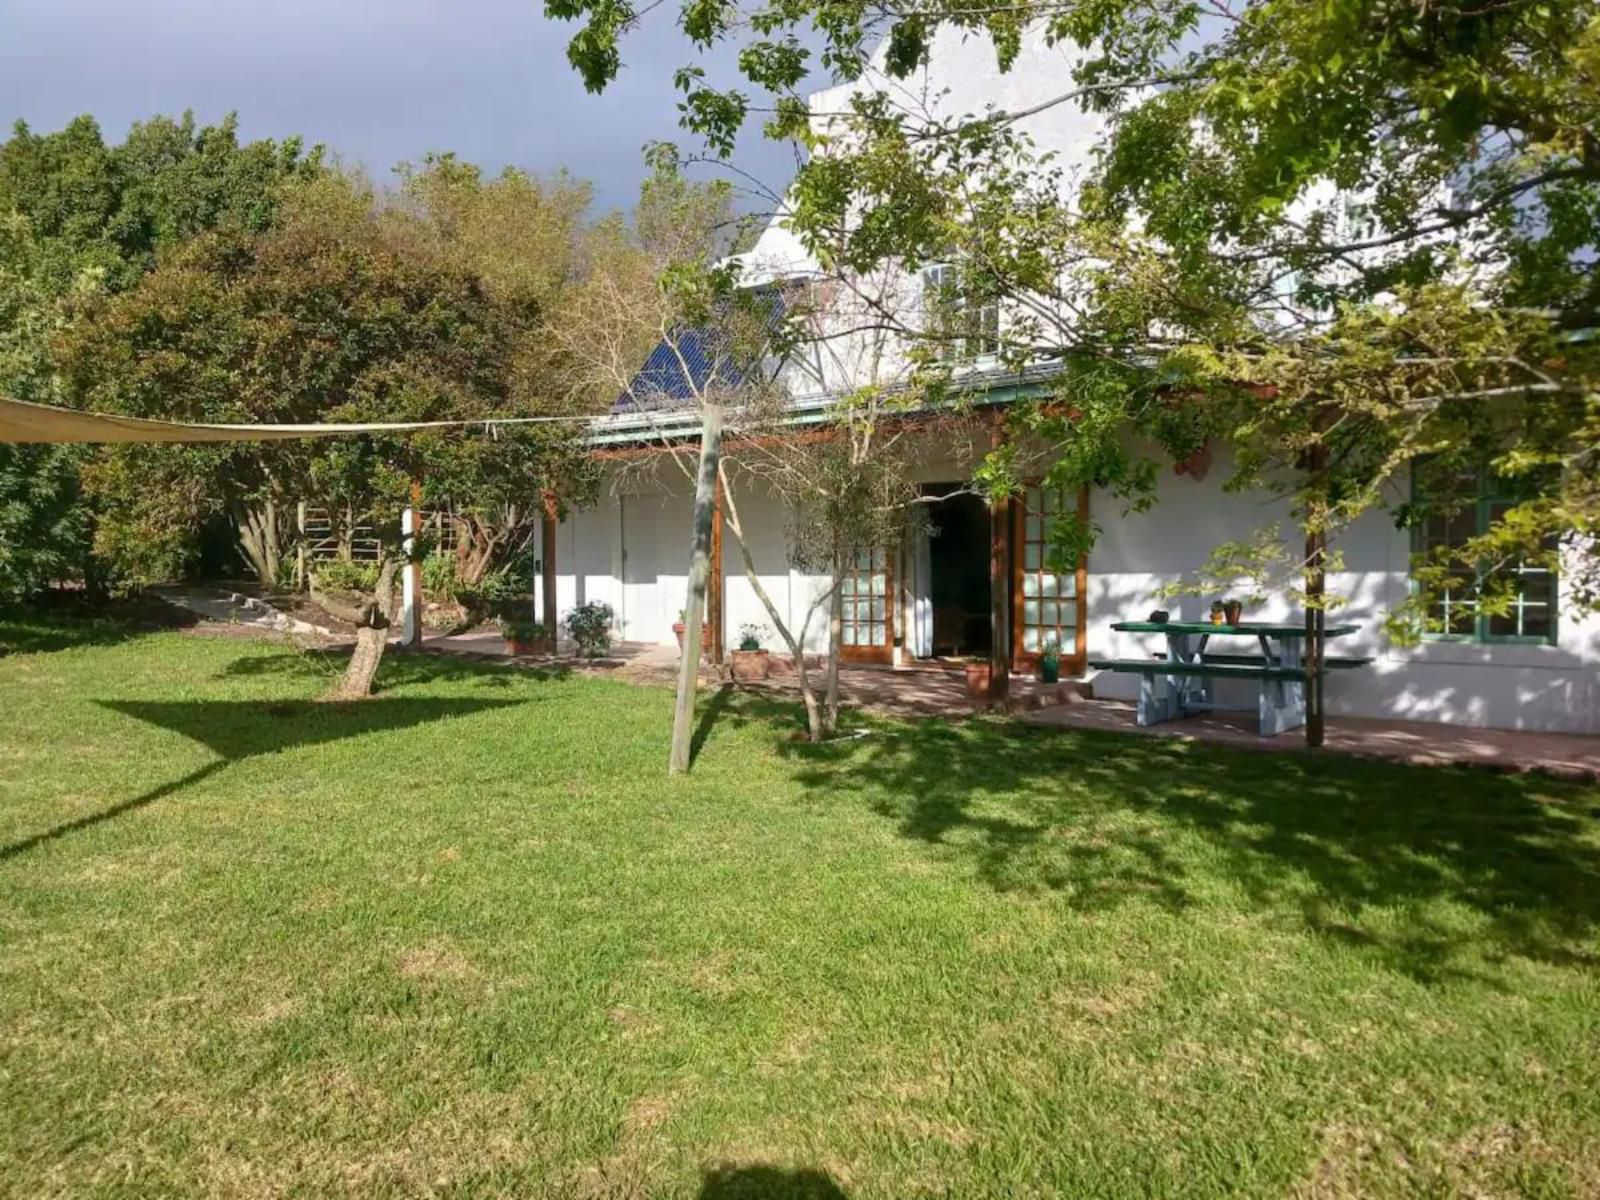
983,386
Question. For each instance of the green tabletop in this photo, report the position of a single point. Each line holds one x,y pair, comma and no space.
1244,629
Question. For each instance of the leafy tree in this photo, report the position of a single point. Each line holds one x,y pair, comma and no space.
343,311
44,533
1336,235
92,205
849,480
78,219
528,242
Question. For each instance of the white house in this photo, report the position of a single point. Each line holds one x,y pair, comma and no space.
1539,669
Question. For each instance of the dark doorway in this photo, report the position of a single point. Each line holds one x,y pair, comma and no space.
958,561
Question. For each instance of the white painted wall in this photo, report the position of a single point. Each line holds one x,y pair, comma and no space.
632,551
1555,688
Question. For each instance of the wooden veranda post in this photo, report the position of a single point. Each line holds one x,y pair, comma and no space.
302,579
695,603
411,584
547,566
999,593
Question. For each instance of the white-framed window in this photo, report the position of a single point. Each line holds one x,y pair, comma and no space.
966,331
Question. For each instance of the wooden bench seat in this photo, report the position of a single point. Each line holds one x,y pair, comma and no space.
1332,662
1207,670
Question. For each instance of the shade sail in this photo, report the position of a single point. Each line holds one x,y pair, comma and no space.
21,421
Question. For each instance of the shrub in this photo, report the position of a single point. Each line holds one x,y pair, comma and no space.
590,627
522,629
439,582
341,575
501,587
750,636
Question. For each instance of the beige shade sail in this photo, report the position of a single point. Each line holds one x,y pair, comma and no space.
21,421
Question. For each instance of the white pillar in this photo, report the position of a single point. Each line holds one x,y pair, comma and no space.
411,583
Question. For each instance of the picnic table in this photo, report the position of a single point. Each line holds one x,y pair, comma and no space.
1182,682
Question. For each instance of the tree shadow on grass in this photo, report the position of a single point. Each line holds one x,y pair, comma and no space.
71,623
398,669
239,729
710,713
1104,818
768,1183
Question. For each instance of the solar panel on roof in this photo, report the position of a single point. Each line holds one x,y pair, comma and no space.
678,370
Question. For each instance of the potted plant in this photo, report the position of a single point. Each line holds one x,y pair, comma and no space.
523,636
1050,662
1217,615
705,632
978,679
1232,610
590,627
751,663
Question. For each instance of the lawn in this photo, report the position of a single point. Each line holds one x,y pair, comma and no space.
466,939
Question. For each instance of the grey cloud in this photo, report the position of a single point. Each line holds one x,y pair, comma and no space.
377,81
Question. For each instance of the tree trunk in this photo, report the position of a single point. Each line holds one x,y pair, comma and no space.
257,527
372,636
705,493
1316,579
830,695
358,676
815,730
999,606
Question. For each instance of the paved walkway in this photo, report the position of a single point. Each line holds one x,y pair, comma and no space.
1420,742
923,690
234,608
932,690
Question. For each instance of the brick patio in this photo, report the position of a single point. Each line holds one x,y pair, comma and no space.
1423,743
934,690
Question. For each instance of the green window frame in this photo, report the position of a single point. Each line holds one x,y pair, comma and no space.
1534,619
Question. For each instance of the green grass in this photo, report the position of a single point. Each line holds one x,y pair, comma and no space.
467,939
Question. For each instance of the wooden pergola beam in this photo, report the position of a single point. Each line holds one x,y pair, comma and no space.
548,565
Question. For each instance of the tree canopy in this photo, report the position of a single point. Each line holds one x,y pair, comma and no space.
1340,236
350,307
78,219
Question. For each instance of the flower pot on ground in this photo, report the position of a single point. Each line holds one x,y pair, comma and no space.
1050,663
751,663
978,679
522,636
751,666
679,628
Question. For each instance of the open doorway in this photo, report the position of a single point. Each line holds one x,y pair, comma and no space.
958,571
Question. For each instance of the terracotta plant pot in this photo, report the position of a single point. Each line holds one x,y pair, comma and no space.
678,629
978,679
521,648
751,666
1232,611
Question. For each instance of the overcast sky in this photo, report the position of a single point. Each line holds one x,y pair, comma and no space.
377,81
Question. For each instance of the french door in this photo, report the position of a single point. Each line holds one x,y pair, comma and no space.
867,592
1047,606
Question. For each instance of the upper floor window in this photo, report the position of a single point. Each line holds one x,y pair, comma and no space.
965,330
1459,506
